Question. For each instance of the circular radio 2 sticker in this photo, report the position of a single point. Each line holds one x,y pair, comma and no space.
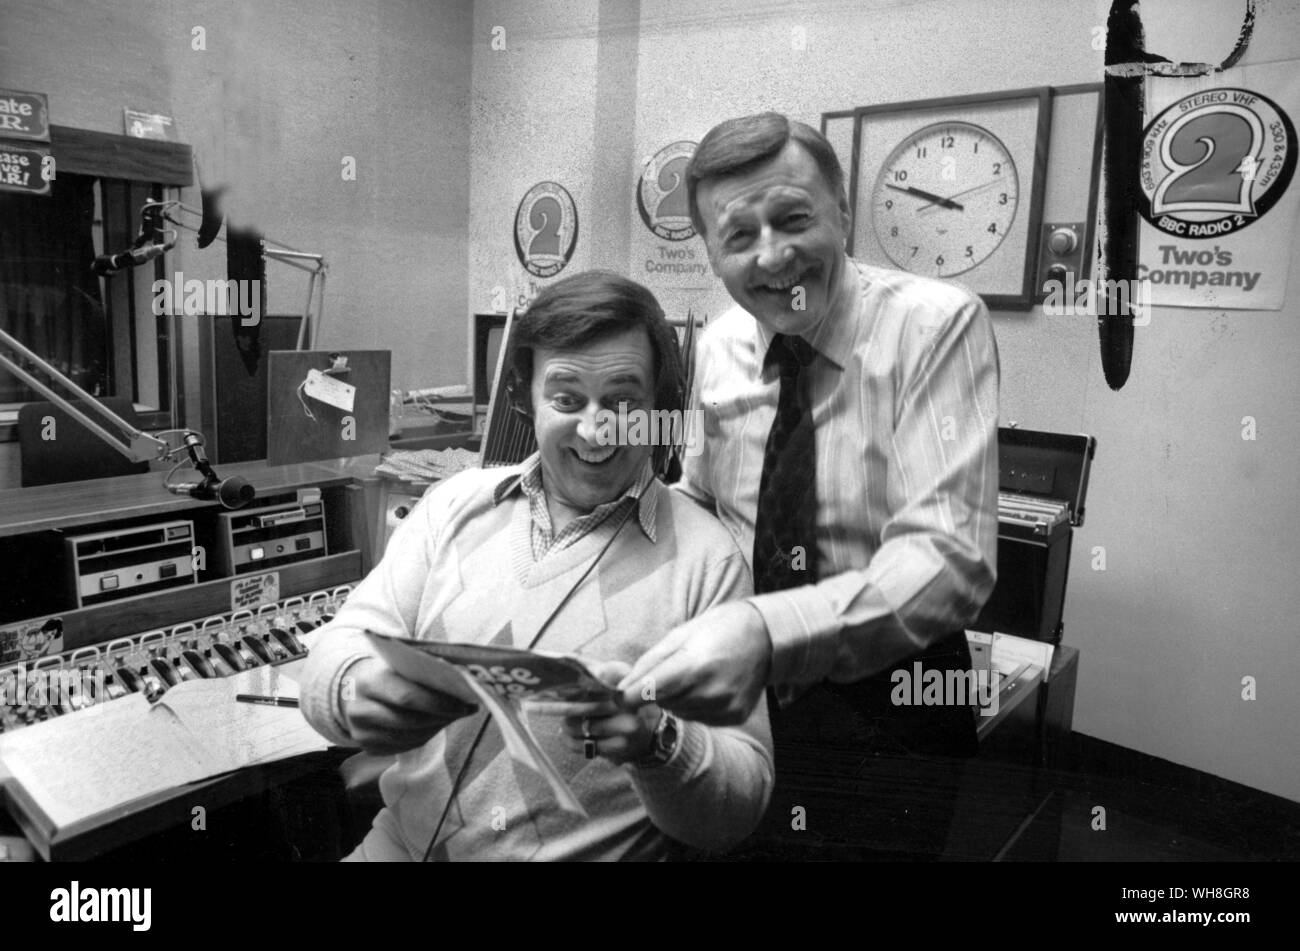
661,193
1214,162
546,229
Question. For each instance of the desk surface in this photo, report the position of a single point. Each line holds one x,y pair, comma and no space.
70,504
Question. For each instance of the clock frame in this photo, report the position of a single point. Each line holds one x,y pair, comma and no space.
1019,120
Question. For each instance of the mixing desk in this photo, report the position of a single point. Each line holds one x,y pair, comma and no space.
154,661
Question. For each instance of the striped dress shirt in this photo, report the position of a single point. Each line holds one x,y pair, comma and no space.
905,408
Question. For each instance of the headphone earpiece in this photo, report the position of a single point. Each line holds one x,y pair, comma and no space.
516,404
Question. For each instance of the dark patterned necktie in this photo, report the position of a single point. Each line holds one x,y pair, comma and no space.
785,543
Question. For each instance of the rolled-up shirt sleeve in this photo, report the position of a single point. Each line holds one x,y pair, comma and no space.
936,562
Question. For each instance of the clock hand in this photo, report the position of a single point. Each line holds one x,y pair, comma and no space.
933,198
939,202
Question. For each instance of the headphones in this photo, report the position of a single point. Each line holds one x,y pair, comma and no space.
519,403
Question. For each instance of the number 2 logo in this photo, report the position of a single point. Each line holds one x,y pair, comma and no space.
1214,161
661,194
673,177
1207,152
546,229
545,217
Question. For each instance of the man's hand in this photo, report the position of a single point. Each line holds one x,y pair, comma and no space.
386,713
617,734
712,669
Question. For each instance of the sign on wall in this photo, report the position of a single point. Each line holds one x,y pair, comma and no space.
24,115
661,193
149,125
1218,158
665,253
25,169
546,229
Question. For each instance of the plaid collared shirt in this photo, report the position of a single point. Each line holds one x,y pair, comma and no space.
545,539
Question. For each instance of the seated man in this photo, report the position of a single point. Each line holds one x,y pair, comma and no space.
582,530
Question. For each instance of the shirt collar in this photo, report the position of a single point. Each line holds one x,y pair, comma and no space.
835,335
528,479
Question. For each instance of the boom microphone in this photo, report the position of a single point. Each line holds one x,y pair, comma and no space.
108,263
232,493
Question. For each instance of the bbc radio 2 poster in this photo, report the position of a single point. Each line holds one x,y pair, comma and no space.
1218,202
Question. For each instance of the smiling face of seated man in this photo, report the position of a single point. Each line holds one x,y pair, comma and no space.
773,230
570,388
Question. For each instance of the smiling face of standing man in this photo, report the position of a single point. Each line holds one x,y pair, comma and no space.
772,230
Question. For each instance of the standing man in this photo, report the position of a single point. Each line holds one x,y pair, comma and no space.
851,450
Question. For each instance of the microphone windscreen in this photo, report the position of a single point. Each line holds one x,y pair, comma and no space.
235,492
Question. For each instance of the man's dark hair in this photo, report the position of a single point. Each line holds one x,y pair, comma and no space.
735,146
585,308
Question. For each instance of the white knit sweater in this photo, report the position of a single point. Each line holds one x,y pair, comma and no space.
460,568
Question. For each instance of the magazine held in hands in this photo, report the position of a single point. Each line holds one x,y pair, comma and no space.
498,678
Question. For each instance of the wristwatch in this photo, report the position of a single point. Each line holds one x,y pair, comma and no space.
664,744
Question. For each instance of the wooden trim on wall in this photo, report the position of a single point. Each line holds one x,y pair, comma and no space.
119,156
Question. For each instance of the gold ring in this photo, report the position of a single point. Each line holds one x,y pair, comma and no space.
586,729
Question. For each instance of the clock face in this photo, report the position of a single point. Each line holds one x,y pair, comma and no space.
945,199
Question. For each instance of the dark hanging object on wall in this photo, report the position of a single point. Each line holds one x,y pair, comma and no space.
246,271
1127,66
212,215
1122,111
212,211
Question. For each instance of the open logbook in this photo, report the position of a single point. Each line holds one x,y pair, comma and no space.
112,760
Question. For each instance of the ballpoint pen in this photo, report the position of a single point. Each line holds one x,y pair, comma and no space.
268,701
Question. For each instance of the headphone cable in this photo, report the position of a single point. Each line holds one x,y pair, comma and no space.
487,716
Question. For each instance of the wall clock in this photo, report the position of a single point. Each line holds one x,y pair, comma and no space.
953,188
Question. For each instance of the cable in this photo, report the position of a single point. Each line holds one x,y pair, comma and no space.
167,479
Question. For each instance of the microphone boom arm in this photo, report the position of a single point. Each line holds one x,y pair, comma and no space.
130,441
314,264
135,444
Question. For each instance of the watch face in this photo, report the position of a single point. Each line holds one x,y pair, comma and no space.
945,199
667,740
